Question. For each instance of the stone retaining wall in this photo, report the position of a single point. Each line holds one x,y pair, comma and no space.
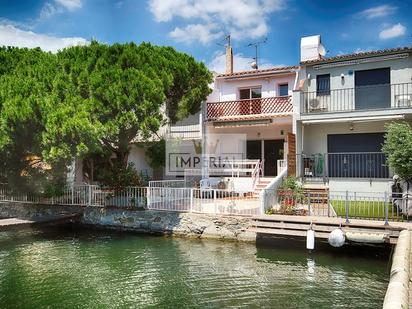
159,222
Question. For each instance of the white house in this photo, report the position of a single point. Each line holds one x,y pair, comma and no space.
340,112
258,104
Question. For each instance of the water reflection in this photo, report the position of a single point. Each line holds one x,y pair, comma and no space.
310,274
92,269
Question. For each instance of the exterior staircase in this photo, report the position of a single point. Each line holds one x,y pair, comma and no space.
262,183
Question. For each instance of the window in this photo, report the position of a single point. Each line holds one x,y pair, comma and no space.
283,90
323,84
250,93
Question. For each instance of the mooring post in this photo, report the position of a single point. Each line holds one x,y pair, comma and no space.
309,203
386,207
347,207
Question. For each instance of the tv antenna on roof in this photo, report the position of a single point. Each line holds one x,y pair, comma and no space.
255,62
227,40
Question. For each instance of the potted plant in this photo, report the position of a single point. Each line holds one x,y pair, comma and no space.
290,194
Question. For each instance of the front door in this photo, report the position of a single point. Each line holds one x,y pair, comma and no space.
254,150
372,89
273,151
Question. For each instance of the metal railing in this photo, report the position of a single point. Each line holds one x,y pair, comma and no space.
171,183
375,206
281,165
213,201
386,96
233,168
257,106
191,131
256,174
349,205
344,165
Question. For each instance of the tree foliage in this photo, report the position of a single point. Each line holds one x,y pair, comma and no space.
125,91
156,153
398,149
26,83
92,99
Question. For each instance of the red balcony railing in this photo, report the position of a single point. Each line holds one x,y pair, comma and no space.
240,108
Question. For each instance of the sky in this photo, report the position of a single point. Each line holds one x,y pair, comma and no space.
198,27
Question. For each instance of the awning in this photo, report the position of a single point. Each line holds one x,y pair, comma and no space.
354,119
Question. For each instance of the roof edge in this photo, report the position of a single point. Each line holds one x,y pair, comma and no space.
368,54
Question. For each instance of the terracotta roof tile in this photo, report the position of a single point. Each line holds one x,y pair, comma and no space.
366,54
258,72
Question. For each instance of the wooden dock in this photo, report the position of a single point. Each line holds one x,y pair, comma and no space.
14,223
297,226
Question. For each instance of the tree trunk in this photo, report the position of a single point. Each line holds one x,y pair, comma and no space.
121,158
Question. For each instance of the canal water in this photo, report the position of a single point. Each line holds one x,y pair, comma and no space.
63,268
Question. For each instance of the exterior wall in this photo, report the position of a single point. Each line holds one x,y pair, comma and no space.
137,157
359,185
314,140
228,90
341,80
315,135
401,72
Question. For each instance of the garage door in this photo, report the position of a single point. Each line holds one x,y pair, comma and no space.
357,155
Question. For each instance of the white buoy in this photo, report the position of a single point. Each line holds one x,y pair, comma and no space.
310,239
336,238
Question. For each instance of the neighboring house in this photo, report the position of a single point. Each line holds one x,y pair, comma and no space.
340,112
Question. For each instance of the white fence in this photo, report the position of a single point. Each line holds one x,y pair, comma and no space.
211,201
173,183
154,197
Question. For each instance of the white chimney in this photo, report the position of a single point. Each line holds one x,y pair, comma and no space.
229,60
311,48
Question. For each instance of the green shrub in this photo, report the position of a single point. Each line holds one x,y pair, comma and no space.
116,177
398,149
291,183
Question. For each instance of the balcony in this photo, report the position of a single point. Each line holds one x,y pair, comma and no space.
369,165
376,97
185,132
251,108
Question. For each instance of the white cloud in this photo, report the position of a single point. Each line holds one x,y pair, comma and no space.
243,19
12,36
240,63
59,6
378,11
119,4
70,5
193,32
392,32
